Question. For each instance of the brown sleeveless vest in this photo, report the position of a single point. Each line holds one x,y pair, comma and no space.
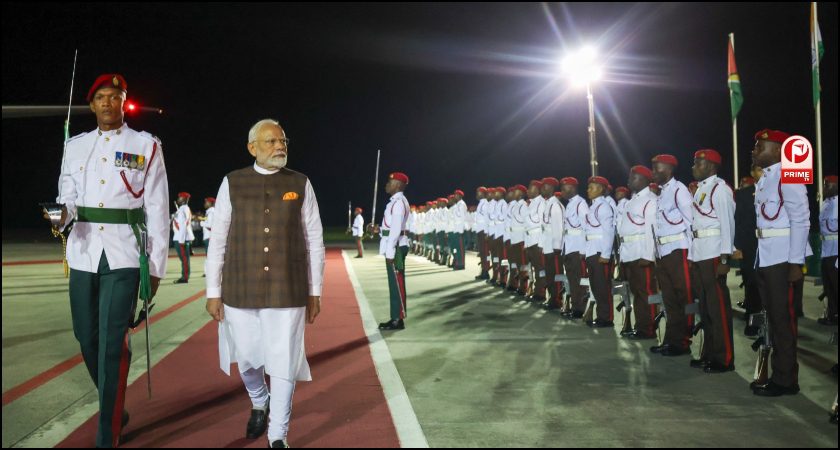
266,262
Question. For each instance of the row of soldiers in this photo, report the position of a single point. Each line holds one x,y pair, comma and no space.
670,247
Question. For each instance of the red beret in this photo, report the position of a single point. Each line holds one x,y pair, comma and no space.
481,189
210,199
772,135
747,180
442,199
519,187
430,203
184,194
600,180
609,187
653,186
459,192
693,184
558,194
113,80
622,189
550,180
709,155
643,171
666,159
501,189
538,183
830,179
358,210
451,197
569,180
399,176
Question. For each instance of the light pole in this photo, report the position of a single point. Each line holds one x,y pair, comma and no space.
582,69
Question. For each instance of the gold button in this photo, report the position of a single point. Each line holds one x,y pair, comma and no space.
265,268
104,159
101,205
266,230
266,211
82,168
101,228
101,181
265,249
119,131
107,139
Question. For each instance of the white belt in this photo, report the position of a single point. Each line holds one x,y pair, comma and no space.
706,233
574,232
672,238
632,238
517,229
592,237
829,237
771,232
534,231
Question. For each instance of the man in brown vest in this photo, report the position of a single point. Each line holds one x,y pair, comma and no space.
265,268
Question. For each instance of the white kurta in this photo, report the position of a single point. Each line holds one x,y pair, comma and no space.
270,337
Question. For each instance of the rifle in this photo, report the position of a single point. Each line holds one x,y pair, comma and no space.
589,314
656,299
626,304
763,345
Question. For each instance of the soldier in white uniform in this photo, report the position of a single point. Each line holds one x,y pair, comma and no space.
638,250
552,241
574,245
358,229
207,225
459,225
533,237
713,241
181,226
481,220
673,235
113,184
394,246
828,232
600,232
257,288
783,222
516,256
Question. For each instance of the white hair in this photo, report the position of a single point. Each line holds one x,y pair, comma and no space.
252,134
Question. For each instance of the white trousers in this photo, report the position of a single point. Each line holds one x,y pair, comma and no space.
280,411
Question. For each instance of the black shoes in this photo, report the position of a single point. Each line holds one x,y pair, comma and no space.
751,331
600,323
627,333
639,335
656,348
698,363
772,389
826,321
258,423
713,367
357,257
392,325
279,444
180,281
483,276
673,350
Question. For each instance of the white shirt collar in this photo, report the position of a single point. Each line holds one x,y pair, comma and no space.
110,133
711,179
262,171
397,195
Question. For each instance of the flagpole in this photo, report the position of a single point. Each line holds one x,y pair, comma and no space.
734,127
816,56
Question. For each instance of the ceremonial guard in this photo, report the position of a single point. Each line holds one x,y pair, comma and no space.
113,184
638,249
673,239
712,245
394,246
574,245
481,221
783,222
746,246
533,238
518,211
181,227
600,233
358,230
551,242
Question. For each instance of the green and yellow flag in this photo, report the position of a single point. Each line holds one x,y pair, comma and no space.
817,50
736,98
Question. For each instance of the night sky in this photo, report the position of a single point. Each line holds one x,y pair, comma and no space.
455,95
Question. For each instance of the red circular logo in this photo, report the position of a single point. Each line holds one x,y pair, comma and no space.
796,149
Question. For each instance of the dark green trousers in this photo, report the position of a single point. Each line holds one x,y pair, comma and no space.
183,251
102,304
396,283
456,244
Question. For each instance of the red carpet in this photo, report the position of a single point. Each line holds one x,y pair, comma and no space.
196,405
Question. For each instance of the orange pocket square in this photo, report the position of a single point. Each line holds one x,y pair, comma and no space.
290,196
